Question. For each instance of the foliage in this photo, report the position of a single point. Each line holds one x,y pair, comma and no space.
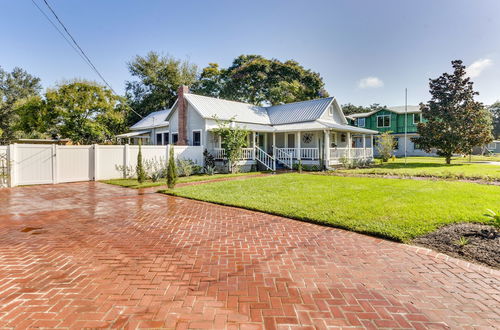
349,109
495,112
157,79
395,209
209,162
434,167
127,170
455,122
84,112
233,138
462,241
385,145
299,166
257,80
15,86
187,167
139,170
171,170
355,162
494,216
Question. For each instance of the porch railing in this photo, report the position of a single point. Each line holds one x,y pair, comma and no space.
284,157
246,153
337,153
309,153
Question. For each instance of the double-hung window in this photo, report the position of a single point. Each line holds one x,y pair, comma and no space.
384,121
175,138
196,138
361,122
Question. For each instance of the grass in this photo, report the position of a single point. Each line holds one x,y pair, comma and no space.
460,168
133,183
398,209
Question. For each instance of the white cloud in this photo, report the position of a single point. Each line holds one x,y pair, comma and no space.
477,67
370,82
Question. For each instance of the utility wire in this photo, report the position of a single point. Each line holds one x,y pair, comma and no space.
78,49
60,32
78,46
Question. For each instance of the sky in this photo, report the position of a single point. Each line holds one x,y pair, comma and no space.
366,51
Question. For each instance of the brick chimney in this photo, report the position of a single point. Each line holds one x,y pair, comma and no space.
182,114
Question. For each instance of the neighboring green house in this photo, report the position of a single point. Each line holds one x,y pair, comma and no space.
392,119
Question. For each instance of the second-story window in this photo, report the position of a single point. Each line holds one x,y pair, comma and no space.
417,118
384,121
361,122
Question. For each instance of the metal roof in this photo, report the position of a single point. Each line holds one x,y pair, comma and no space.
154,119
209,107
130,134
401,109
298,111
302,111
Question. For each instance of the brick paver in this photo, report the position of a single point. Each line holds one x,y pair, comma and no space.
95,255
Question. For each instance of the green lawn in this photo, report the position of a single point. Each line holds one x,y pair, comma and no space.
435,166
132,183
399,209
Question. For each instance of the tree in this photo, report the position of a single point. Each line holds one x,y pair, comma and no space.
495,112
257,80
14,87
171,169
139,168
350,109
385,145
233,140
157,79
84,112
455,122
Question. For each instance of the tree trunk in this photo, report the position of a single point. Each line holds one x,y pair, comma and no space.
448,160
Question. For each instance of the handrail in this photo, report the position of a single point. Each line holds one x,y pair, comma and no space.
284,157
265,159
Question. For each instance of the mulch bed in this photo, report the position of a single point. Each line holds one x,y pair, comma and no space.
482,242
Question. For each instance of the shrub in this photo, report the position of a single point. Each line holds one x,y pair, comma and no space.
128,171
186,167
141,173
171,170
385,145
209,161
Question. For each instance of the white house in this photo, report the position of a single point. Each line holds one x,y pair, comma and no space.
313,132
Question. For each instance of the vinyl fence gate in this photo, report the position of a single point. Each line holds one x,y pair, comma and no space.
29,164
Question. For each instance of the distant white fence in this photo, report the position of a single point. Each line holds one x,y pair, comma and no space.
30,164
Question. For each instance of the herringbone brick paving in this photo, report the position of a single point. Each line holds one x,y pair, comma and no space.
94,255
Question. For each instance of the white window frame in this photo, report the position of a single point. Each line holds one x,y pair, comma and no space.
333,139
364,122
330,110
171,137
380,116
192,136
166,141
156,138
415,123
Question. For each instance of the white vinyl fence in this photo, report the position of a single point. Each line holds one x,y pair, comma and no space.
41,163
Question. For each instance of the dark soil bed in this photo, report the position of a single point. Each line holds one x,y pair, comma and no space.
473,242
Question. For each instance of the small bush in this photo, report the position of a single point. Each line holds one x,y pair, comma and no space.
494,216
171,170
141,173
186,167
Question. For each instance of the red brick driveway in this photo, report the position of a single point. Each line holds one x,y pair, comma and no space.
95,255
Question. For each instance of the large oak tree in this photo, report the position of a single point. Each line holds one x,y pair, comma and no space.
455,121
257,80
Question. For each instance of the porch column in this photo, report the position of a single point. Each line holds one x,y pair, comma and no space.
298,144
364,145
254,144
274,144
349,145
327,147
371,141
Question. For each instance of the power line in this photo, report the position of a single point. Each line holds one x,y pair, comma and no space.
60,32
77,45
78,49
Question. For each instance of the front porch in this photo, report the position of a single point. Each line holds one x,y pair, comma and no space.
284,149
